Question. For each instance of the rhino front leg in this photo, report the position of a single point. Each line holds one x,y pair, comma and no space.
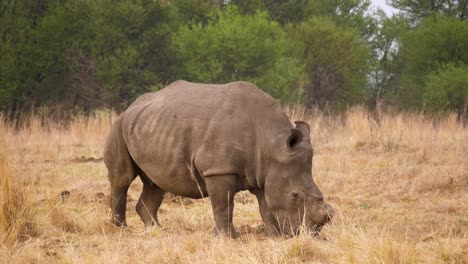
271,225
221,190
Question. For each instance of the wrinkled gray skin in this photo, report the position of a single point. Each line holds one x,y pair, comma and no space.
200,140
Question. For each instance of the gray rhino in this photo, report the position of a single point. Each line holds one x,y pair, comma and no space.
204,140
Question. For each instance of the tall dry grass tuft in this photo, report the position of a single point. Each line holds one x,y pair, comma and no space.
93,128
60,219
16,208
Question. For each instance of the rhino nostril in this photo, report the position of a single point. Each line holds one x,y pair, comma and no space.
329,213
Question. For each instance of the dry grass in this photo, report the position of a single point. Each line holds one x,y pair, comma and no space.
399,184
16,212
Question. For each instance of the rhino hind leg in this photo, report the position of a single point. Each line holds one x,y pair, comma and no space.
119,184
118,203
221,190
121,173
150,199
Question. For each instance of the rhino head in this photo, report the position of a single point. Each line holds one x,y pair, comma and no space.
290,191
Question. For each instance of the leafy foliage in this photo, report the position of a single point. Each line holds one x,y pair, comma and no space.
335,59
88,54
386,59
436,41
447,88
417,9
233,47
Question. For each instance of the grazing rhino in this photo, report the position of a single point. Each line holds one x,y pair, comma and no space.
200,140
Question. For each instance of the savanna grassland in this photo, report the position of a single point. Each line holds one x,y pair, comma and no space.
398,183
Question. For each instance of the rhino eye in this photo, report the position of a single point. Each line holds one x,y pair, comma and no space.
294,195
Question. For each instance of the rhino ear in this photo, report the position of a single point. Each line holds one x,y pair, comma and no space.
298,134
304,128
295,138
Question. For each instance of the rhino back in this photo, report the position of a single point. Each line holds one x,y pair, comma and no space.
188,130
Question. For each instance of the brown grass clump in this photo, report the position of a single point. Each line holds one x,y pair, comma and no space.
398,183
64,222
16,213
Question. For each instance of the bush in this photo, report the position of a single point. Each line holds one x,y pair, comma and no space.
231,47
436,41
447,88
335,60
86,53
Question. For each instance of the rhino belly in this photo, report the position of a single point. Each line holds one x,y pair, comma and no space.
175,179
163,148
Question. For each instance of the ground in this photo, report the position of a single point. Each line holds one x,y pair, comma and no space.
398,183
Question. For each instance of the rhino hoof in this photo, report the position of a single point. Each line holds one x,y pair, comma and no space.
118,223
220,233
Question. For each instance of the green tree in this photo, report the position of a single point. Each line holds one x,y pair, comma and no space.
232,46
18,19
336,61
83,52
386,66
447,89
132,47
436,41
194,10
418,9
250,6
105,53
349,12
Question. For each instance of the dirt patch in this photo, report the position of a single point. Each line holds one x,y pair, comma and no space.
84,159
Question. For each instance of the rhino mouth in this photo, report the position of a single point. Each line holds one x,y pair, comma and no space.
312,229
294,227
315,230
